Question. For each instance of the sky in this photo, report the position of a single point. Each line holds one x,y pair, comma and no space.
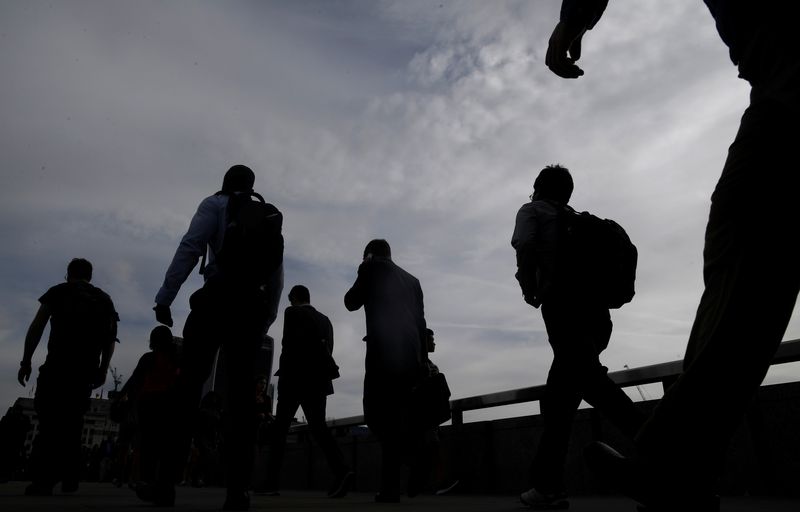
421,122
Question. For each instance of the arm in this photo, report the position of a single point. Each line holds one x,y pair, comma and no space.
107,349
32,340
329,336
354,298
525,229
193,245
564,47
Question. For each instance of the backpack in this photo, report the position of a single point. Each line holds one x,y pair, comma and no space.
596,258
252,247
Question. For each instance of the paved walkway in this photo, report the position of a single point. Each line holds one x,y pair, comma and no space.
92,496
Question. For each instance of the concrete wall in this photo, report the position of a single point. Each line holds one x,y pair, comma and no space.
495,456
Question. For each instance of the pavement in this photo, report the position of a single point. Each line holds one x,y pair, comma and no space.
104,496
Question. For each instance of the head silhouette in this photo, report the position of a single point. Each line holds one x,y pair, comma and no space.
298,295
554,183
239,178
161,338
79,269
378,248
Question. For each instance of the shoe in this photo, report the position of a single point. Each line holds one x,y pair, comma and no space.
69,486
652,491
382,497
444,490
35,489
236,500
342,484
538,500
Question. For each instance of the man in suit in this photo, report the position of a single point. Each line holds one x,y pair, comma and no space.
306,370
396,334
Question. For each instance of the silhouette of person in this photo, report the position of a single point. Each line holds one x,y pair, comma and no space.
751,256
14,427
396,333
306,370
152,387
233,310
83,330
578,330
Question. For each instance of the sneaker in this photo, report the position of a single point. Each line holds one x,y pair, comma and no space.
342,484
544,501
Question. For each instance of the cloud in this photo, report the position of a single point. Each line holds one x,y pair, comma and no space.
423,123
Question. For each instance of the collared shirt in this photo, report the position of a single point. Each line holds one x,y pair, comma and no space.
206,229
535,237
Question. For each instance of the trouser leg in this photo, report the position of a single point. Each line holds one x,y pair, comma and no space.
239,426
314,410
285,411
577,334
201,340
752,277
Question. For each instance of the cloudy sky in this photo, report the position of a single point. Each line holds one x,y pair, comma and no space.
422,122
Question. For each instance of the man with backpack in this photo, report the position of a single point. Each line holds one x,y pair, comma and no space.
83,330
560,274
233,310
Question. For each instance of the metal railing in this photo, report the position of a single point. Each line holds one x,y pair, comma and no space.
665,373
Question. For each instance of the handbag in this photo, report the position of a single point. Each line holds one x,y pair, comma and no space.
430,402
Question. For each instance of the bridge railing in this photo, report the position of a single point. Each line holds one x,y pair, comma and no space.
664,373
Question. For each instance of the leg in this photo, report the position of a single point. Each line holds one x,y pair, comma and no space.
287,407
242,338
201,342
314,410
752,277
577,333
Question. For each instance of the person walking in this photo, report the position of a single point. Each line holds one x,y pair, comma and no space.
306,371
395,361
83,330
233,310
578,329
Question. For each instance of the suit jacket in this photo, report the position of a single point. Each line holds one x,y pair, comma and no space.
306,356
395,316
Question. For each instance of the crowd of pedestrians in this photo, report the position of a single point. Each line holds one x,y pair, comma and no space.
751,285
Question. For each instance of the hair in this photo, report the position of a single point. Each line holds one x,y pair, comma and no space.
79,268
378,247
239,178
554,182
300,293
161,338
